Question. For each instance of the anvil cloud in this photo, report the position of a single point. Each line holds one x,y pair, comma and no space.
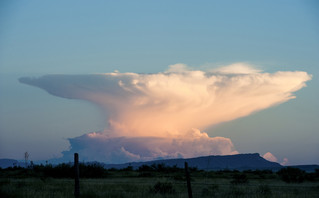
161,115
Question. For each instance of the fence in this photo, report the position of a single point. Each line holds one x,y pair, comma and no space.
130,183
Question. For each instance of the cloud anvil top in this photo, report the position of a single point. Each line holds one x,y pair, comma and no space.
169,109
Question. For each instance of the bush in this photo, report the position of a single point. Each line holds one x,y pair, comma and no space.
128,168
89,194
145,168
291,175
310,177
61,171
163,188
146,174
264,190
92,171
236,192
145,171
239,179
210,191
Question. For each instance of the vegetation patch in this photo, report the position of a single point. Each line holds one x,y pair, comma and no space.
155,181
239,178
163,188
292,175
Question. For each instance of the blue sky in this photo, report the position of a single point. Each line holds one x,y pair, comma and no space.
80,37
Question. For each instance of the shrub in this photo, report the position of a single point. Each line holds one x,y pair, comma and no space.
236,192
89,194
146,174
144,168
291,175
179,177
310,177
163,188
210,191
239,179
128,168
92,171
264,190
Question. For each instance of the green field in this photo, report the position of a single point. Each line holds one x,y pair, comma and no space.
139,184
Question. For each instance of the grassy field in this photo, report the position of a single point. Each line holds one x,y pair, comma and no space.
133,184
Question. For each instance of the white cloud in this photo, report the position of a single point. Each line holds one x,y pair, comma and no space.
101,147
237,68
177,68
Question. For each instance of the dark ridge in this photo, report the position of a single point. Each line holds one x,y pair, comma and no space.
232,162
6,163
307,168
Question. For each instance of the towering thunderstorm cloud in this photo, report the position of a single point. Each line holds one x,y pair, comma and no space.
160,115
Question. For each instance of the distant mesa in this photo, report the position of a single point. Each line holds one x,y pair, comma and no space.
220,162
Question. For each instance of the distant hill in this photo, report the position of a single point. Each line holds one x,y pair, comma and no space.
5,163
307,168
239,162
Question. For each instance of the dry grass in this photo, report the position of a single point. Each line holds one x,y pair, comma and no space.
140,187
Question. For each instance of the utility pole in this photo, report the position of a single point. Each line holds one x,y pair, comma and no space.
76,178
188,180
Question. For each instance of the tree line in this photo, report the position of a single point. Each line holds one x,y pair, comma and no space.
96,170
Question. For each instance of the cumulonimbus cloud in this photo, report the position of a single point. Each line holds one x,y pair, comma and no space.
169,108
270,157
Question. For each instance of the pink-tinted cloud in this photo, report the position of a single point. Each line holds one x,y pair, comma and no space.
270,157
170,108
285,162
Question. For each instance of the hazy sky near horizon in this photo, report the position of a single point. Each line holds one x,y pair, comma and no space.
80,37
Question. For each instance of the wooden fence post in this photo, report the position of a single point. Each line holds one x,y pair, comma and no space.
76,178
188,180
